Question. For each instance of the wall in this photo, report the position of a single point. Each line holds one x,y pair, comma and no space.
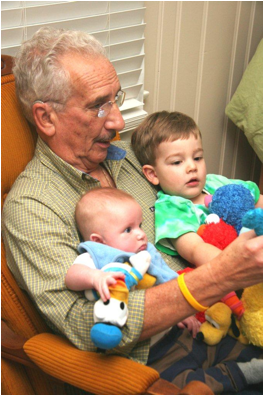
196,53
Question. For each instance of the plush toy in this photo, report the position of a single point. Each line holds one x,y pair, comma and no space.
252,321
111,316
232,207
230,203
218,319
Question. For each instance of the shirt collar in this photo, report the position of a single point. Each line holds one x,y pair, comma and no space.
115,153
51,160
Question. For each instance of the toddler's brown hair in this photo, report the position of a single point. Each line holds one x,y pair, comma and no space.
161,127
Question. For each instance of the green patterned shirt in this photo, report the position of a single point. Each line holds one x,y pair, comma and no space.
41,240
176,216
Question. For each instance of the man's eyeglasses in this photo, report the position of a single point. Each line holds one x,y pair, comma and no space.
105,109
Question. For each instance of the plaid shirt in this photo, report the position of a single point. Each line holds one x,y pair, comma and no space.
41,240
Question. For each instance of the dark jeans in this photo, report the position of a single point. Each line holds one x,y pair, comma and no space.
180,359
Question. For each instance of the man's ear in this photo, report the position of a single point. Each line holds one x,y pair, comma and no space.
150,174
96,238
44,117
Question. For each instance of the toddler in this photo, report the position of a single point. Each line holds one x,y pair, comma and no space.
169,148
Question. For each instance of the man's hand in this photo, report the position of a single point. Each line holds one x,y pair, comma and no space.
191,323
242,260
102,280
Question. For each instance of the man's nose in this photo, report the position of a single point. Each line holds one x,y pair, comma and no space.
114,119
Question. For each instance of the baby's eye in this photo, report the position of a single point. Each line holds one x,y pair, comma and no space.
176,162
128,229
198,158
140,225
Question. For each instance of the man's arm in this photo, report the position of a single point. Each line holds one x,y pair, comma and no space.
240,265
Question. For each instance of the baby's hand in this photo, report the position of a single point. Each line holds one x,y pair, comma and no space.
102,280
192,324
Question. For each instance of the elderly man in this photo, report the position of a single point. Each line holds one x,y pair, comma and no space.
70,91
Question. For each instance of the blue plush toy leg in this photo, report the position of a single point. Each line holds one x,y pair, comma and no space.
105,336
253,219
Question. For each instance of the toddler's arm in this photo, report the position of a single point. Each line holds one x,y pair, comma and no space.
259,204
192,324
193,249
85,276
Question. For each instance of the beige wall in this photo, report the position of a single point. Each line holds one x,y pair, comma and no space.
196,53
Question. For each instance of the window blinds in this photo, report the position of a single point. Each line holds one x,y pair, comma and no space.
118,25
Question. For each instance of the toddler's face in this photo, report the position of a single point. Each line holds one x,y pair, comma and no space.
180,167
123,228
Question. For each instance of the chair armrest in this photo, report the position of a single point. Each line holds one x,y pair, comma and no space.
100,374
89,371
12,346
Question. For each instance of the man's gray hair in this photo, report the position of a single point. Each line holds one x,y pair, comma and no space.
38,72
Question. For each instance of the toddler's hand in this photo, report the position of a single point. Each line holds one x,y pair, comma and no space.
102,280
192,324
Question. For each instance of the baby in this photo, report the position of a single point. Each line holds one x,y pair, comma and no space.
110,222
169,148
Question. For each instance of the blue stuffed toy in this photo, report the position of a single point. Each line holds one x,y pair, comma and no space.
231,202
253,220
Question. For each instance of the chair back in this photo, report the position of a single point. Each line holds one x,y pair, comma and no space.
17,148
18,139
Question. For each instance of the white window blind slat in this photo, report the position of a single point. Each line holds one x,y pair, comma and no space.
126,64
131,104
11,18
63,12
130,78
11,37
121,19
9,4
134,91
118,25
41,2
127,33
125,5
125,50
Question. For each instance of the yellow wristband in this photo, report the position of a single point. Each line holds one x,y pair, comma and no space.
191,300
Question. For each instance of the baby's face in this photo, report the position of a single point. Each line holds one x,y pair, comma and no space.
123,227
180,167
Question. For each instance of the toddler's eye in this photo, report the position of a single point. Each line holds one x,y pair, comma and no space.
176,163
128,229
198,158
140,225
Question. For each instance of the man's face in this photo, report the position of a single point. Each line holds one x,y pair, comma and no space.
81,138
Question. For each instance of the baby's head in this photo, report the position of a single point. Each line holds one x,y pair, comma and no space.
111,217
169,148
